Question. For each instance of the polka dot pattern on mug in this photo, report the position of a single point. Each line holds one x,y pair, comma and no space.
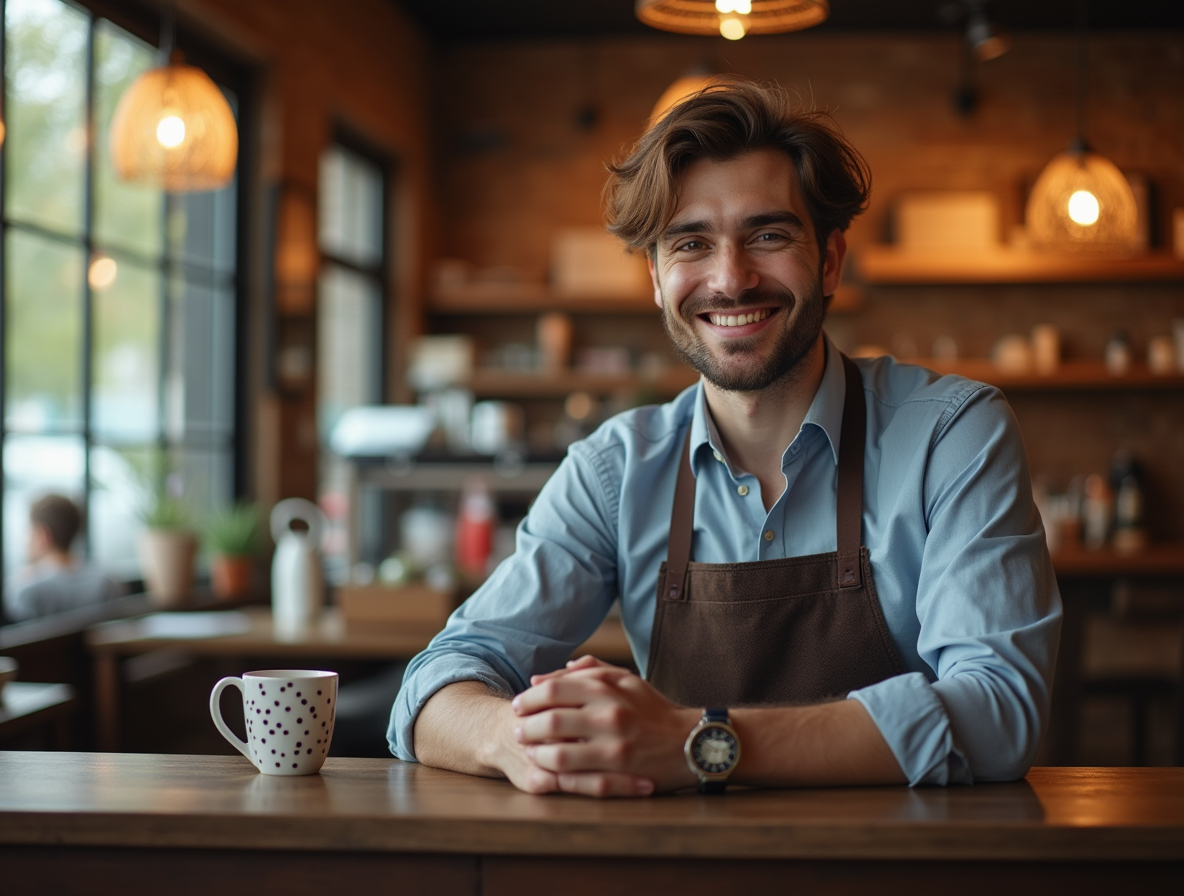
294,739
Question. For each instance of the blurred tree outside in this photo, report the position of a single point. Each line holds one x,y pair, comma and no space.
45,243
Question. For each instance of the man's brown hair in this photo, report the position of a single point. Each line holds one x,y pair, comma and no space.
731,117
59,517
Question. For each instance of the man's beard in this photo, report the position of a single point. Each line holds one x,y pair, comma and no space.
791,349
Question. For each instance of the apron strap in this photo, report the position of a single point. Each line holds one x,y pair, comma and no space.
849,518
678,548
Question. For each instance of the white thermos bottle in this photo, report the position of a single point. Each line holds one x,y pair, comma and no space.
297,586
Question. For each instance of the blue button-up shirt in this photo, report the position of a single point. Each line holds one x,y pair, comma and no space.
957,551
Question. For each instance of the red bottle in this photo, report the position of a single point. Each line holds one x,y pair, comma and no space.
474,528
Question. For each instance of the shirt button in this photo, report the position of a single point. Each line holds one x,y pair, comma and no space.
718,456
742,490
768,535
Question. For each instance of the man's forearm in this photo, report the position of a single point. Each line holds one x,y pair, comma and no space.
828,744
593,717
461,729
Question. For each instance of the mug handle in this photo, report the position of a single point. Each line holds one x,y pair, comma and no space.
216,714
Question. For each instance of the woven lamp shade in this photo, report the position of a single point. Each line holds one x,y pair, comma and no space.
205,153
702,16
1063,192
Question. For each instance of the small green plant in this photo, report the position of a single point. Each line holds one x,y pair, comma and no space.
161,506
164,512
235,531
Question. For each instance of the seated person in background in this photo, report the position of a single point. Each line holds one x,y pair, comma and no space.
836,564
53,582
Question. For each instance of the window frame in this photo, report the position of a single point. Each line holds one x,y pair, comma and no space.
144,23
374,508
345,138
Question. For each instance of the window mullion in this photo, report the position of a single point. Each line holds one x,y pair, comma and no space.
88,210
162,380
3,272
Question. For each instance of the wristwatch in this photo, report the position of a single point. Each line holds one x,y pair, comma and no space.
713,750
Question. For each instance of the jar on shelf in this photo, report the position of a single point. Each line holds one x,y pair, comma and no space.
1118,353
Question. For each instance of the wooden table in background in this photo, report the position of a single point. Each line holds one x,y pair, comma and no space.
38,710
327,640
212,824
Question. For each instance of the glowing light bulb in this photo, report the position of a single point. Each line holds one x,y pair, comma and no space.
1083,208
170,131
733,26
101,273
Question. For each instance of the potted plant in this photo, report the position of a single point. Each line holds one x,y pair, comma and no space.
233,536
168,547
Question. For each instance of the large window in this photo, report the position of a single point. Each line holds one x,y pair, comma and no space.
117,302
350,319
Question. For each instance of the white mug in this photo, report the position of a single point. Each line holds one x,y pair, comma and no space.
289,715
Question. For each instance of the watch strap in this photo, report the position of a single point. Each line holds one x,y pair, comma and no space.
713,786
715,715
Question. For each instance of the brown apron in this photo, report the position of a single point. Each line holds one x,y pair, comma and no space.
774,632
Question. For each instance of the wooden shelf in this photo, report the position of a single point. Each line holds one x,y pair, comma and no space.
418,476
884,265
1157,559
512,384
1070,375
530,299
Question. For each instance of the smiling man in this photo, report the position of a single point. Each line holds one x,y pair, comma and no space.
831,572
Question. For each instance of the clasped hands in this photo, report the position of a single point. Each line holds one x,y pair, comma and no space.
600,730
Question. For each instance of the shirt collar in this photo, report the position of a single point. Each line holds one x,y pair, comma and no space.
825,412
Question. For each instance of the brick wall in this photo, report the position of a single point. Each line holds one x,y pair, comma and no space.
361,65
517,160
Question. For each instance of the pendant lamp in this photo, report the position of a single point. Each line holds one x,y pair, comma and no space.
1081,202
690,82
173,129
732,18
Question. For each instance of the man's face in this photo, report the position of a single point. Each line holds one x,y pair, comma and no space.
737,271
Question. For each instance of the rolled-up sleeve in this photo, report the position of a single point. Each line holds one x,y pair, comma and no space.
536,608
988,608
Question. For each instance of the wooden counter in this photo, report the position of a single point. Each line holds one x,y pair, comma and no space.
212,824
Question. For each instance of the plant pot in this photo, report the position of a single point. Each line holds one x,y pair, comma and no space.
230,575
166,559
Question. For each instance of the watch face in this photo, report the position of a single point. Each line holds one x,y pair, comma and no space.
715,750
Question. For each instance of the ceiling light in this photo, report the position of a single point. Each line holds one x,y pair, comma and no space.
696,79
173,128
732,18
1081,202
986,38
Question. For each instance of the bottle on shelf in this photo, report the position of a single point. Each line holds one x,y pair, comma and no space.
1126,478
1118,353
475,523
1096,511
